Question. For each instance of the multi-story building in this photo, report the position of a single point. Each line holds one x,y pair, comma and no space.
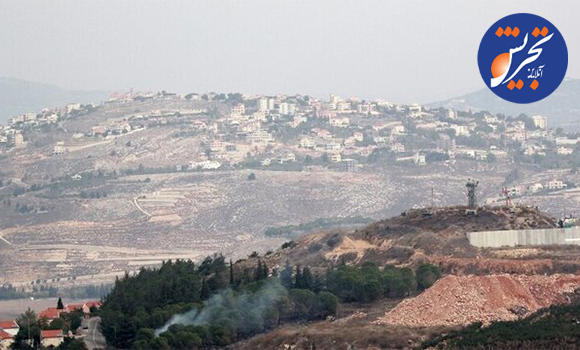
283,108
540,122
263,104
238,110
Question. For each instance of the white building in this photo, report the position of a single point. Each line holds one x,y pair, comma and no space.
335,157
307,143
237,110
58,150
460,130
451,114
564,151
339,122
283,108
540,122
398,129
333,146
556,185
535,188
51,338
398,148
263,104
206,165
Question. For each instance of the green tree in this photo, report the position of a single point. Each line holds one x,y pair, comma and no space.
427,275
70,343
286,275
326,305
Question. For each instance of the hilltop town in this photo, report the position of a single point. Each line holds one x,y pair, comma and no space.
235,130
90,191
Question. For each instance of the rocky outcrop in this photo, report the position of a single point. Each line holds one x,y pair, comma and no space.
462,300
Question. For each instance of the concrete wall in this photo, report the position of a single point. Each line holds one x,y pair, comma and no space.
511,238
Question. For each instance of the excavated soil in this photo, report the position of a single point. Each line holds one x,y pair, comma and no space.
462,300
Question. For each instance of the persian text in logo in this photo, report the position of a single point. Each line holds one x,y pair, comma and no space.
523,58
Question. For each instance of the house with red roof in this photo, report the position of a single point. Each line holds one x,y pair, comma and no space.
8,330
6,340
85,308
74,307
50,337
50,314
89,304
10,327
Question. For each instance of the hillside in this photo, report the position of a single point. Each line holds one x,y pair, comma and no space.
21,96
440,238
481,285
555,327
562,107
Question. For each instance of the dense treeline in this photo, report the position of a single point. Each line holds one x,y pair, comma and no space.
184,305
556,327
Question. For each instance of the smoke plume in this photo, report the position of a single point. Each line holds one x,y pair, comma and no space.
243,309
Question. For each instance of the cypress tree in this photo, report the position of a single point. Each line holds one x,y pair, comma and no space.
299,280
59,304
265,271
258,272
232,277
306,278
205,292
286,275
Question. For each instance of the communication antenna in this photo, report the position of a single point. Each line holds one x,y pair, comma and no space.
472,193
508,199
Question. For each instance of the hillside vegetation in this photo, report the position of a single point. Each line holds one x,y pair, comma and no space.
555,327
183,305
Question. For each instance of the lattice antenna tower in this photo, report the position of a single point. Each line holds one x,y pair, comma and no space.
472,193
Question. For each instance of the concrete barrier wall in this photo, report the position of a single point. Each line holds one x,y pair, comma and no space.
512,238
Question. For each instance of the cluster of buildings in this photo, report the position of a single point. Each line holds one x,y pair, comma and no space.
281,129
48,337
537,187
13,134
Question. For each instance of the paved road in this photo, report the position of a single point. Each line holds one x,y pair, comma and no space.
93,337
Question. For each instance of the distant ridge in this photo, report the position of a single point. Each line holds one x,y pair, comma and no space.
20,96
562,107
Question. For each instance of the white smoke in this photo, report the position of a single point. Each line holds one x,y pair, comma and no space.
271,293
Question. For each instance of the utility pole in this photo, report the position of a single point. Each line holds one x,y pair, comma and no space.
432,197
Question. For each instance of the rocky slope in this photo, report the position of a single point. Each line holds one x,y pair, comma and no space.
437,236
462,300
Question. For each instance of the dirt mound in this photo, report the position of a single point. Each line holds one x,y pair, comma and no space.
462,300
442,220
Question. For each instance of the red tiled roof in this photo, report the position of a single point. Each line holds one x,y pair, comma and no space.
8,324
50,313
95,303
72,307
51,333
4,335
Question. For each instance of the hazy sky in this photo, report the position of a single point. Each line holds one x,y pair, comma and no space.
403,51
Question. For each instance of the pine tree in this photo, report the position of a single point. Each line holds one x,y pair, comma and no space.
317,283
232,277
265,271
306,278
286,276
205,292
258,271
299,280
59,304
